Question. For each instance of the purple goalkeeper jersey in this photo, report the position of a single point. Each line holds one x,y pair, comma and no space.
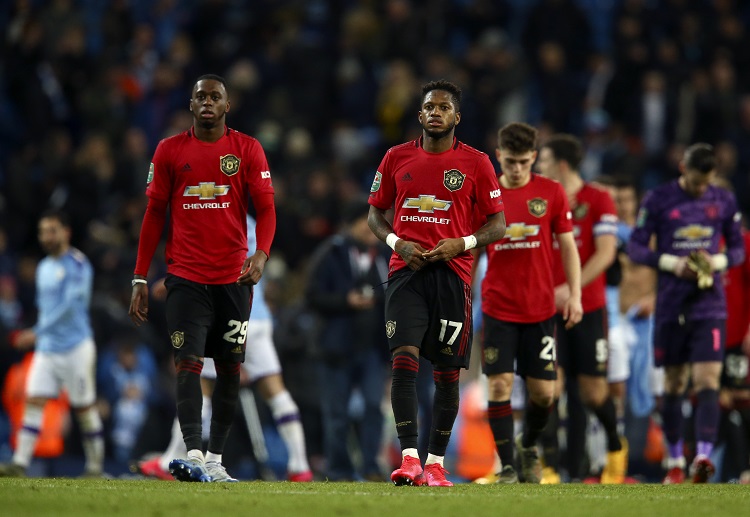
681,224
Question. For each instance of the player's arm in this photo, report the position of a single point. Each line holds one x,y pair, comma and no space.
493,230
605,253
151,230
265,229
410,251
572,310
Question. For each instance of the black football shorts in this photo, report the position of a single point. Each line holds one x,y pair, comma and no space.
529,346
207,320
430,309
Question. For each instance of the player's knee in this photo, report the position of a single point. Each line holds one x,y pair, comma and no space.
500,386
543,398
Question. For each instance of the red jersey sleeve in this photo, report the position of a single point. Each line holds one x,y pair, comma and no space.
160,174
562,220
259,176
383,189
489,198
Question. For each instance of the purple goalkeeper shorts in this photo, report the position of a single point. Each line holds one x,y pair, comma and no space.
695,341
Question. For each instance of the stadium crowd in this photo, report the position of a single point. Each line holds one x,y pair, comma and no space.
88,88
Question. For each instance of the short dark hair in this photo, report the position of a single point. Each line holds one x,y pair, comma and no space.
566,147
517,138
444,85
57,214
700,157
210,77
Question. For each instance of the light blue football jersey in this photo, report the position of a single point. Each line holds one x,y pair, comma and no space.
259,311
63,296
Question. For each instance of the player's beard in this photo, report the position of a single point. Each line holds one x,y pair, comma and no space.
209,123
437,134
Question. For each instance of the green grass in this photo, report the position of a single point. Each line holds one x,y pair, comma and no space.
115,498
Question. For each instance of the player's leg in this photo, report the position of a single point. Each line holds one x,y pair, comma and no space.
79,381
263,367
448,346
42,384
708,339
189,316
592,357
225,342
537,362
406,322
500,344
670,352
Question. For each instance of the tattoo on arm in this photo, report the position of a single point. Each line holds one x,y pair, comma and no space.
378,224
493,230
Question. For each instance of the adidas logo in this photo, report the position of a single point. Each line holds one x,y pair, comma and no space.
447,351
237,350
187,168
550,367
406,177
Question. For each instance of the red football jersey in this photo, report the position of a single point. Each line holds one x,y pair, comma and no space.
208,186
519,286
594,214
737,288
434,196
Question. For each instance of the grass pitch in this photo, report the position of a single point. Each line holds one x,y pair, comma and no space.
148,498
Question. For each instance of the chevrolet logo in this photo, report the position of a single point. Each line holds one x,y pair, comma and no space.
208,190
519,231
694,232
427,204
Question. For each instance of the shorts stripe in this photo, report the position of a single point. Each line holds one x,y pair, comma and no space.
467,321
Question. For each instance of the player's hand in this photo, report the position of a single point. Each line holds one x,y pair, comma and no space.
22,339
681,270
412,253
572,311
562,293
445,250
699,261
252,268
138,310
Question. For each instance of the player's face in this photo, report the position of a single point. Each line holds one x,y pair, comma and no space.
695,183
626,202
438,115
516,167
53,236
209,103
547,165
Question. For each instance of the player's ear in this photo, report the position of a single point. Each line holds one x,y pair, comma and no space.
226,110
458,117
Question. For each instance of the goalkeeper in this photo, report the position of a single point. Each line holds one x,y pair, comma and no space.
689,218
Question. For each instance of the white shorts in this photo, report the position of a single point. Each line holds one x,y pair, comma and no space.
261,359
620,339
74,370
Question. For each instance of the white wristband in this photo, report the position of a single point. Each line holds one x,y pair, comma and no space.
469,242
719,262
391,240
135,281
668,262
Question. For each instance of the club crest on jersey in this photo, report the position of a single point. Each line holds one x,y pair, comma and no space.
376,182
580,211
490,355
453,179
178,338
537,206
229,164
390,328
